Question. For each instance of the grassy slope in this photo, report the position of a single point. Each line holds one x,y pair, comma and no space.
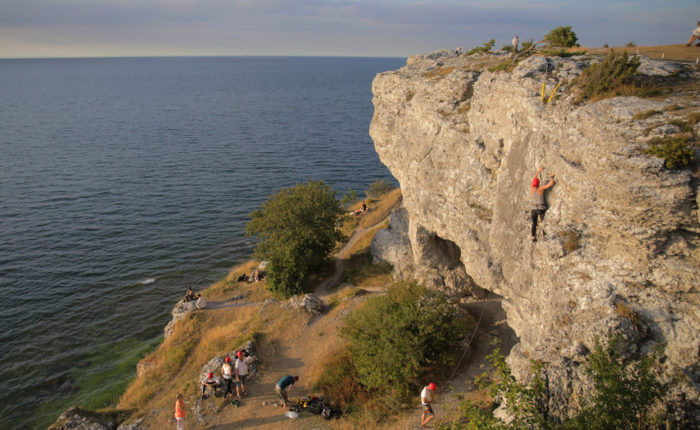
280,334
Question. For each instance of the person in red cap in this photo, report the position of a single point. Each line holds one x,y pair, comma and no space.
227,374
426,397
210,381
538,205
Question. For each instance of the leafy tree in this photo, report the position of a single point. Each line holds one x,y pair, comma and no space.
395,336
296,231
378,188
561,36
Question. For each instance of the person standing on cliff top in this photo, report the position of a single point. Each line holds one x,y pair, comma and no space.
515,42
227,374
180,412
538,205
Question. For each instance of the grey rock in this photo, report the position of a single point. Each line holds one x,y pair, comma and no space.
650,67
308,302
180,310
464,147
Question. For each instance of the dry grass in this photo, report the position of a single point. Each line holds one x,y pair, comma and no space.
381,208
571,240
678,52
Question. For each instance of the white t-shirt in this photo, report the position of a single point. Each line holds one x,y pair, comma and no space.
226,371
241,367
201,303
696,31
426,394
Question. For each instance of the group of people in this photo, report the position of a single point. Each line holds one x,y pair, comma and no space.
190,296
233,376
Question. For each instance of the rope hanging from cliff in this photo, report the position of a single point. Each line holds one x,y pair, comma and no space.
483,309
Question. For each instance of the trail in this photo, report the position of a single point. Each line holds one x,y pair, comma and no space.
340,257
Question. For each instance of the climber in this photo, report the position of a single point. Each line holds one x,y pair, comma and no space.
538,205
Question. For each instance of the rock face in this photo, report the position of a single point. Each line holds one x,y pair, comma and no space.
618,248
181,309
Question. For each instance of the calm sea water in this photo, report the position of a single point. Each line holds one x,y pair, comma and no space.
124,181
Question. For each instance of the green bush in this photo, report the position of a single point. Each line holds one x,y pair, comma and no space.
296,230
622,399
395,337
349,198
561,36
611,77
483,49
675,151
378,188
526,44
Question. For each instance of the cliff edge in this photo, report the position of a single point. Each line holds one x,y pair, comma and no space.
618,248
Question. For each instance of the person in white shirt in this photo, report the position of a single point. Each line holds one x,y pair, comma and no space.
426,397
241,374
515,42
201,303
695,36
227,374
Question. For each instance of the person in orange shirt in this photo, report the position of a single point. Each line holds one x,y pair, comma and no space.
180,412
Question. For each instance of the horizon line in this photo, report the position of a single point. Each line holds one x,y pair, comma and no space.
195,56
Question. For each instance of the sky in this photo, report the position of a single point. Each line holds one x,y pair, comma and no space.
373,28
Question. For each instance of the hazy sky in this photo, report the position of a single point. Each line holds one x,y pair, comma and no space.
87,28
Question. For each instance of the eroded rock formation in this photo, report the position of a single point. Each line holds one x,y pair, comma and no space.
619,244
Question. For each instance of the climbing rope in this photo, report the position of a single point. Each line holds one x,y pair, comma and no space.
483,309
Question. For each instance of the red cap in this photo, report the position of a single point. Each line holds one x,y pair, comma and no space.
239,354
535,182
210,375
432,387
227,359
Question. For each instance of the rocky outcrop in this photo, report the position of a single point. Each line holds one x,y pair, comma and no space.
618,249
181,309
81,419
308,302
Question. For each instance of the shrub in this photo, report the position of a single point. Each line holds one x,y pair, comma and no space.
561,36
378,188
483,49
349,198
296,230
608,78
394,337
505,66
571,240
631,45
622,399
526,44
675,151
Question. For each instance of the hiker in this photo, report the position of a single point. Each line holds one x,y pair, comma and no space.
426,396
210,381
241,374
695,36
515,42
538,205
180,412
283,386
201,303
364,207
227,374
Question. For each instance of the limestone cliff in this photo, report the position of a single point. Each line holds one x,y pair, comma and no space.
618,248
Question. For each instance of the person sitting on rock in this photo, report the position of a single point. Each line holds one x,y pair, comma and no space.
538,205
190,296
210,381
201,303
695,36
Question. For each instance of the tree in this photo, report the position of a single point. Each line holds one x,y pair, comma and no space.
378,188
296,230
395,336
561,36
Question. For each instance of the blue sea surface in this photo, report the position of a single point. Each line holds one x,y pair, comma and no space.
125,181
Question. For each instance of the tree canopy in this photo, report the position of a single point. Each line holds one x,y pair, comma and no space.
296,230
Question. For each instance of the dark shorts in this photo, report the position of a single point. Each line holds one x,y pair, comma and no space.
241,380
427,409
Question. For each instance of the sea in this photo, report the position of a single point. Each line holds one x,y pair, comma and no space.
123,181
